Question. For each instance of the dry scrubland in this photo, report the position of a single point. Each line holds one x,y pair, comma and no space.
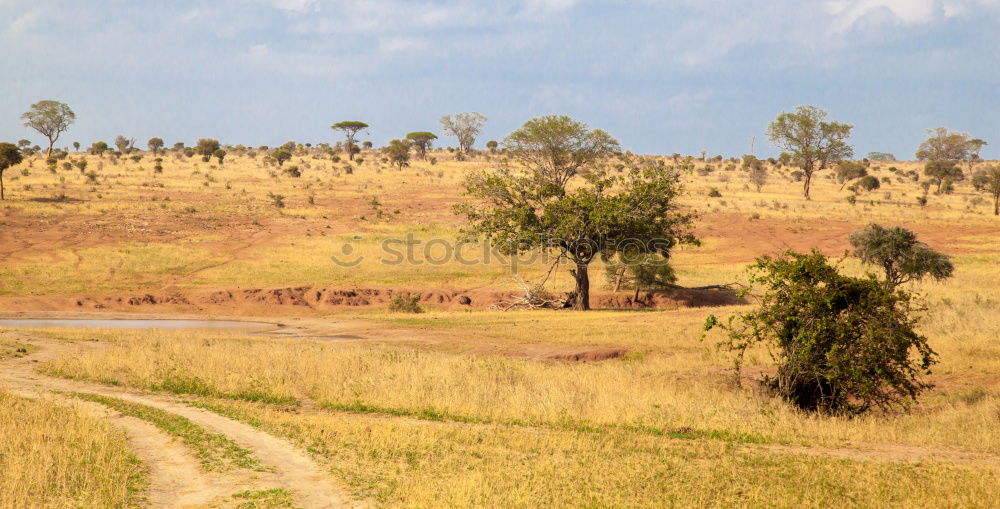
461,407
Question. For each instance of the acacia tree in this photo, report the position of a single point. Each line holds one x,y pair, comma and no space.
9,156
465,127
51,118
350,128
422,141
900,255
812,142
554,192
988,181
946,146
155,144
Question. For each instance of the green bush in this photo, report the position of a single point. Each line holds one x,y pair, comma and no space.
405,304
841,344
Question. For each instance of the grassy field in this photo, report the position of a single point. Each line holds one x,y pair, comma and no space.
474,407
59,455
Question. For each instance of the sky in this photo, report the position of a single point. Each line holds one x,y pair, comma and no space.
661,76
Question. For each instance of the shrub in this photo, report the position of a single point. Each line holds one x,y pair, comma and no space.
714,193
405,304
841,344
278,200
798,175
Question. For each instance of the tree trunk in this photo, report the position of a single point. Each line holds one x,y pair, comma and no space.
51,142
996,204
582,287
618,278
805,184
1,185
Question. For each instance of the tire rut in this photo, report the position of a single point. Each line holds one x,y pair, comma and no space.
173,483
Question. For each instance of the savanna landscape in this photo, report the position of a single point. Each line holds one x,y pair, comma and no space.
436,381
527,253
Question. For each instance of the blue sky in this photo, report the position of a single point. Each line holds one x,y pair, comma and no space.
661,76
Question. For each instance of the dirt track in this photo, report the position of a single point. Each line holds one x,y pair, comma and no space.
176,479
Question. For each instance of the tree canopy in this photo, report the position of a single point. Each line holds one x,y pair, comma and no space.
899,254
812,142
350,128
555,192
10,155
50,118
988,181
422,140
465,127
398,152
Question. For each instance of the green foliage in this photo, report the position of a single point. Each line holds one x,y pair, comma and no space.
10,155
50,118
811,141
944,145
220,155
350,128
849,170
841,344
405,304
647,272
988,181
756,172
422,141
555,192
155,144
281,155
206,147
941,170
867,183
714,193
880,156
398,152
898,252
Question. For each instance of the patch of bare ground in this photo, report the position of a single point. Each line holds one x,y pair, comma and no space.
309,300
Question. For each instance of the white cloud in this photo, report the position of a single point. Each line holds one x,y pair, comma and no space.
849,13
544,6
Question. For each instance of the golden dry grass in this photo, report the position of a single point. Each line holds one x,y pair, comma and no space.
470,413
57,455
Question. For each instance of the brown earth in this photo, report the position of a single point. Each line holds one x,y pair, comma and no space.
308,300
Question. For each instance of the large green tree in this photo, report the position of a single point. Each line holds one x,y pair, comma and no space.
9,156
350,128
554,191
51,118
813,142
